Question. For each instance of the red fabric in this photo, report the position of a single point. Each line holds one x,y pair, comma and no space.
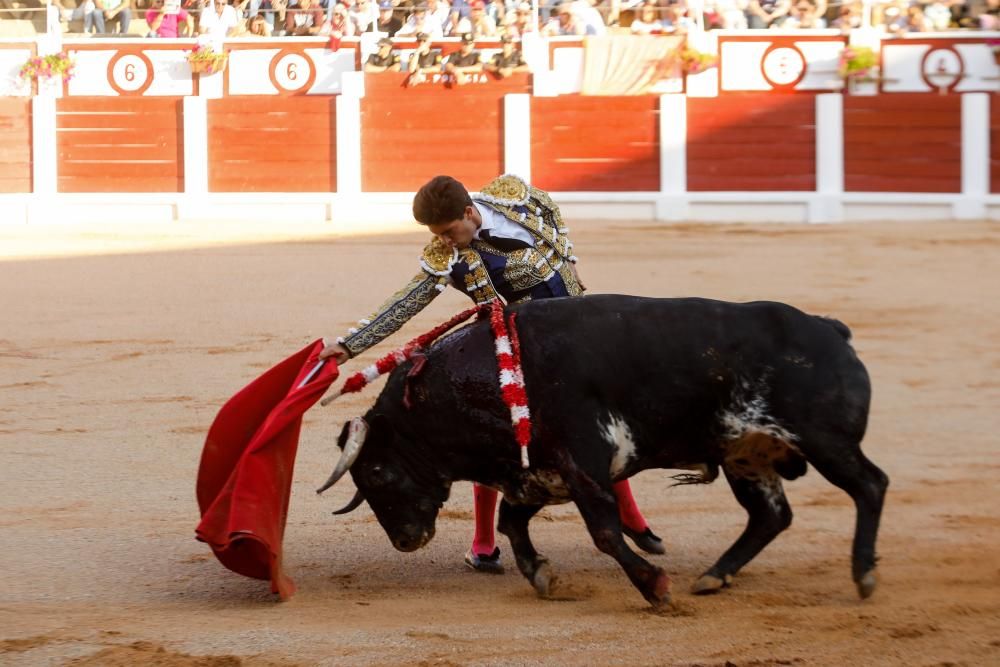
245,476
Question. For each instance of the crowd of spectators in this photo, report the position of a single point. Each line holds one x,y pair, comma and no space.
492,19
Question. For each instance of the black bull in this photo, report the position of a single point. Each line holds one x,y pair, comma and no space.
617,385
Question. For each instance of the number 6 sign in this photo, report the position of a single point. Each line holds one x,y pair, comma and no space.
130,73
292,73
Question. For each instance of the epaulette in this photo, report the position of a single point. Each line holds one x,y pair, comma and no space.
506,190
438,258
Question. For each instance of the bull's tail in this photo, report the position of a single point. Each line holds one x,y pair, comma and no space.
838,326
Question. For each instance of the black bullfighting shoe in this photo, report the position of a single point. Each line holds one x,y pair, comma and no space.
647,541
488,564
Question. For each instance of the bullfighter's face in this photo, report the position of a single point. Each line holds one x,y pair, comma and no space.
458,233
406,509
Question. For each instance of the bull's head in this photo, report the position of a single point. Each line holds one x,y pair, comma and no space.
390,475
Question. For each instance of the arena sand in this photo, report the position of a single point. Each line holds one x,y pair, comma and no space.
118,346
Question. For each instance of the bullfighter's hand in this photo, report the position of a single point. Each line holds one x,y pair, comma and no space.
335,350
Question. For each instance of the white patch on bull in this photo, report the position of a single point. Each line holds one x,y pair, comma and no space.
772,490
753,440
617,433
748,413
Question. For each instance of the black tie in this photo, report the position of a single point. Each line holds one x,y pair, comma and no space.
501,243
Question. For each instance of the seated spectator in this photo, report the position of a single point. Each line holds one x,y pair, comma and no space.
92,15
848,17
588,15
165,22
937,15
762,13
465,61
496,10
424,60
117,11
648,21
421,22
802,16
218,21
508,61
521,21
478,23
339,25
387,21
912,21
726,14
362,15
257,26
564,24
305,19
383,60
438,11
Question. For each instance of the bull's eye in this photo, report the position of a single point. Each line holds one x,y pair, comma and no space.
380,476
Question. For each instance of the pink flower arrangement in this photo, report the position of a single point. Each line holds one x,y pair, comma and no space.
204,59
48,67
857,62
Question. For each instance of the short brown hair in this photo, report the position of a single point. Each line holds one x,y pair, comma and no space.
442,199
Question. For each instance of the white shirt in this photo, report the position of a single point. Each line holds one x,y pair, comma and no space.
499,225
216,26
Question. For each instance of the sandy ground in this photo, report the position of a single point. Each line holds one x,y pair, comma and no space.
117,347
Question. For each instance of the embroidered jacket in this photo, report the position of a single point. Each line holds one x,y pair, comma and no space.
483,271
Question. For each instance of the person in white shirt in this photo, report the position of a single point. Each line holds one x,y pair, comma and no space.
218,21
421,21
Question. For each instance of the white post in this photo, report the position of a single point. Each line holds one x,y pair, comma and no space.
827,205
195,111
517,135
44,151
975,157
348,144
673,203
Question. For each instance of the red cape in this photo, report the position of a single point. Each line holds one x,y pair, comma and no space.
245,475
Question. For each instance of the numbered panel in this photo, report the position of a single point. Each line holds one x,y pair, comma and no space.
125,144
283,144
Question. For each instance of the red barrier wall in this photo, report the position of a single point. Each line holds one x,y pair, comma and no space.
597,144
758,142
15,144
409,135
272,144
903,143
994,145
120,144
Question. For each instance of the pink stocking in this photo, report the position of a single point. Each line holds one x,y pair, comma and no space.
627,509
485,510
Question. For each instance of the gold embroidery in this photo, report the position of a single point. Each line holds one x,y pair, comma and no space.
507,189
477,280
395,312
525,267
438,257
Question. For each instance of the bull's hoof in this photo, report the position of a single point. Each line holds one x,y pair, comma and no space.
660,595
867,583
544,581
710,584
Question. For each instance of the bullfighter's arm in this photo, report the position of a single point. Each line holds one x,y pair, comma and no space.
394,313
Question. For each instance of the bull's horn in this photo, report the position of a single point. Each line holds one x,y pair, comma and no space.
356,433
353,505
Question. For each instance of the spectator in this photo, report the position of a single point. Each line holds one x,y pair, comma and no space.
451,28
521,21
762,13
338,26
383,60
848,17
508,61
589,17
726,14
387,21
465,61
912,21
165,22
257,26
92,15
937,15
421,22
648,21
438,11
363,14
564,24
478,23
305,19
118,11
424,60
218,21
496,10
802,16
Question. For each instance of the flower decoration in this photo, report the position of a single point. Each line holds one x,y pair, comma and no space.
203,59
48,67
858,63
693,61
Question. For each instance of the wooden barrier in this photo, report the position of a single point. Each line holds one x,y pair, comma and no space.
595,144
411,134
995,148
272,144
15,144
756,142
903,143
120,144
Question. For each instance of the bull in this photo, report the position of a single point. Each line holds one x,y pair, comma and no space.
618,385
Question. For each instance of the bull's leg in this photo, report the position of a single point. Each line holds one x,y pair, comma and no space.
535,567
599,509
769,514
849,469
